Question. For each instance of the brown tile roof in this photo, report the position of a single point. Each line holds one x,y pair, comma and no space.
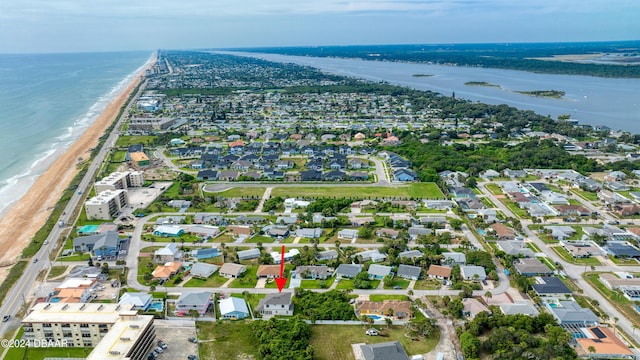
441,271
269,270
502,230
607,345
239,230
166,270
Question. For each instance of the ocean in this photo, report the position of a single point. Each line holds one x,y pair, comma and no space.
46,103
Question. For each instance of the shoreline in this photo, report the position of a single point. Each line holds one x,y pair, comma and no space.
29,213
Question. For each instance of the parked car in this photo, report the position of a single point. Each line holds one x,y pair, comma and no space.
192,357
162,344
372,332
193,340
6,318
159,350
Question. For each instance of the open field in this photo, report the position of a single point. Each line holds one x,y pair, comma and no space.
241,192
416,190
225,340
341,338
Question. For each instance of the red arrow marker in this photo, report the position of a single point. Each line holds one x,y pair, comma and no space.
281,281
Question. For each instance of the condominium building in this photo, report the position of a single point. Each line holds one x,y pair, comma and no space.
120,180
114,331
106,205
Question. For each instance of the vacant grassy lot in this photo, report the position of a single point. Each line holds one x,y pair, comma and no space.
495,189
241,192
43,353
376,297
57,271
403,283
247,280
417,190
225,340
212,281
341,337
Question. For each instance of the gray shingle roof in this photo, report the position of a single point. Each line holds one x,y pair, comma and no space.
392,350
409,271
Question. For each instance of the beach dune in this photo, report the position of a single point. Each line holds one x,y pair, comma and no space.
30,213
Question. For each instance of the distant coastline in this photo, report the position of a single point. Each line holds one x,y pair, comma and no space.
422,75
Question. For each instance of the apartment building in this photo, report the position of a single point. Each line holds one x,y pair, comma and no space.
114,331
106,205
120,180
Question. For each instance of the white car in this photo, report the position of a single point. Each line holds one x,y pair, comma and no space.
372,332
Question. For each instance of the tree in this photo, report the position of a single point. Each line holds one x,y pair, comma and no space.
388,321
388,281
104,269
592,350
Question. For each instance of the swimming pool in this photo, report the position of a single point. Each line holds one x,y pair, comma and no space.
375,317
553,305
157,306
54,300
88,229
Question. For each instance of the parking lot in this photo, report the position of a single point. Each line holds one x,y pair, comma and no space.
176,335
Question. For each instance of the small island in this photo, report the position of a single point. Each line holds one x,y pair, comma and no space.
422,75
480,83
544,93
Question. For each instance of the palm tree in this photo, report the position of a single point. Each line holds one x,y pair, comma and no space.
488,294
592,350
389,322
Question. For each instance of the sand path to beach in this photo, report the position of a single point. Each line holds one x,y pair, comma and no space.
30,213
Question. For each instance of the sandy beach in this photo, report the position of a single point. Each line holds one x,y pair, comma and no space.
29,214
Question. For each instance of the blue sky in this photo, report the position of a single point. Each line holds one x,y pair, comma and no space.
106,25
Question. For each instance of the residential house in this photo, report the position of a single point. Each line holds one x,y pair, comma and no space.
502,231
276,304
248,254
361,221
388,233
139,300
568,312
205,253
348,234
378,271
232,271
392,350
452,258
167,271
312,272
168,253
288,256
327,255
549,286
409,272
515,248
602,343
233,308
168,231
416,231
309,233
268,271
398,309
103,245
348,271
520,307
439,272
532,267
202,270
472,272
410,254
205,175
622,249
239,231
373,255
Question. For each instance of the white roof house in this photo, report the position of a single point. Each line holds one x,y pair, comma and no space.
203,270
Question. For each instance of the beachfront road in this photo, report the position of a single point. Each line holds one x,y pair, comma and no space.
17,297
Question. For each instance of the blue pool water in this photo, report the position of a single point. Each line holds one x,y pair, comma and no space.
374,317
481,232
54,299
156,306
553,305
87,229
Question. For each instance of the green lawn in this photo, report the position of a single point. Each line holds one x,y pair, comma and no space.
587,195
213,281
43,353
495,189
518,212
315,284
415,190
247,280
380,297
126,141
57,271
242,192
225,340
82,257
399,282
624,262
341,337
428,284
262,239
